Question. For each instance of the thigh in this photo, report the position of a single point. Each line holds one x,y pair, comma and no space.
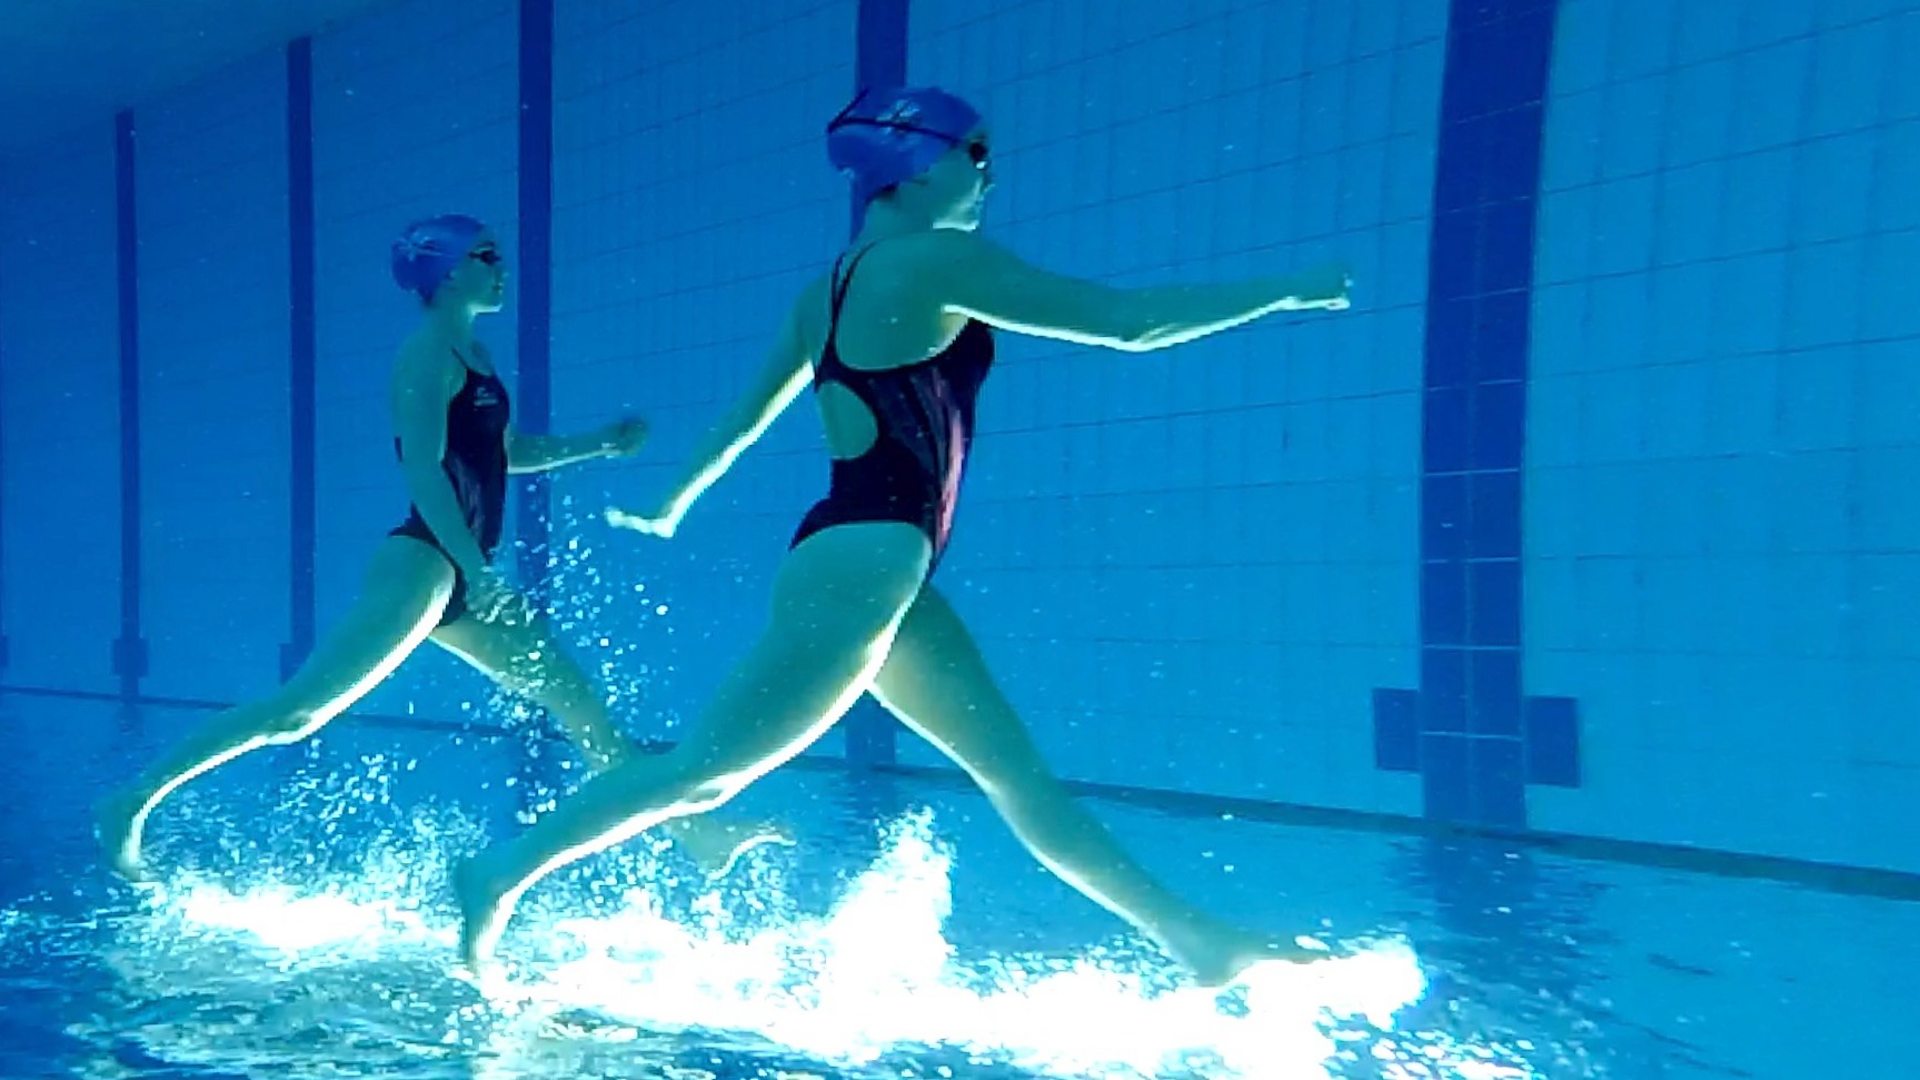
406,589
936,682
838,601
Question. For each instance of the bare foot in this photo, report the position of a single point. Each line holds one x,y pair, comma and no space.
716,847
118,822
484,911
1223,956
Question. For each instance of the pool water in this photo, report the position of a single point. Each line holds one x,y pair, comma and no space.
302,928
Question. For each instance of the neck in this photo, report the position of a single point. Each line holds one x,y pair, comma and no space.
455,320
886,218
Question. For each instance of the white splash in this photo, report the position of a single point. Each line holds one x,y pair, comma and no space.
872,977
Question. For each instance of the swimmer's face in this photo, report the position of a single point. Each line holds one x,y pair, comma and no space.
958,183
481,278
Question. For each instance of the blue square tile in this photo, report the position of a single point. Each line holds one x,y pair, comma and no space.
1499,425
1443,690
1477,78
1493,602
1494,514
1770,83
1454,255
1833,188
1499,783
1705,30
1506,246
1450,342
1443,603
1511,145
1553,741
1500,325
1458,168
1848,74
1396,730
1445,767
1494,697
1580,48
1527,46
1446,428
1446,517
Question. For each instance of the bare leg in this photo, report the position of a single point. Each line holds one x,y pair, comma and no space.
406,590
836,604
523,657
937,683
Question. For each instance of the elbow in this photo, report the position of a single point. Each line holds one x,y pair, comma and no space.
1142,326
1140,334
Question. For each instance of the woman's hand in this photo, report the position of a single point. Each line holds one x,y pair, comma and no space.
490,598
661,522
1328,288
625,438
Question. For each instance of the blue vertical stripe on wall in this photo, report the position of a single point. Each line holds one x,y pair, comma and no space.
3,495
880,56
880,59
130,651
533,407
300,356
1469,731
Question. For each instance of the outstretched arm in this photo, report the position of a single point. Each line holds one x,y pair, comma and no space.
539,453
978,278
779,381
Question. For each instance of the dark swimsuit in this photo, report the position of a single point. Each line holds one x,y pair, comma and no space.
476,464
923,419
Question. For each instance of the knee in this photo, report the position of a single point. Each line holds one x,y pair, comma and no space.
697,788
285,726
676,780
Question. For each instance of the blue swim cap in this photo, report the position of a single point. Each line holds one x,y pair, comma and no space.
892,134
430,250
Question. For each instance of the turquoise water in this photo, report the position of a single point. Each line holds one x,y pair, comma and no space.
303,929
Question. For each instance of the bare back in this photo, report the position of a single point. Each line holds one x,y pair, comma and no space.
891,316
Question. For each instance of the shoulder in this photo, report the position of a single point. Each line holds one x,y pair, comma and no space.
426,361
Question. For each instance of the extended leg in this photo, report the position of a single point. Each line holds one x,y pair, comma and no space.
837,602
937,683
523,657
406,590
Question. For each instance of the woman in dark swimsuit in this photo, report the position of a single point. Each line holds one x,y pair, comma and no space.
896,343
432,578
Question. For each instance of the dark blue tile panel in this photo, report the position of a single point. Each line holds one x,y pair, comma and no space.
1446,768
1493,603
1499,425
1499,783
1500,326
1493,500
3,506
300,354
1446,516
1479,740
1553,742
129,650
1443,689
1447,421
1494,692
533,409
